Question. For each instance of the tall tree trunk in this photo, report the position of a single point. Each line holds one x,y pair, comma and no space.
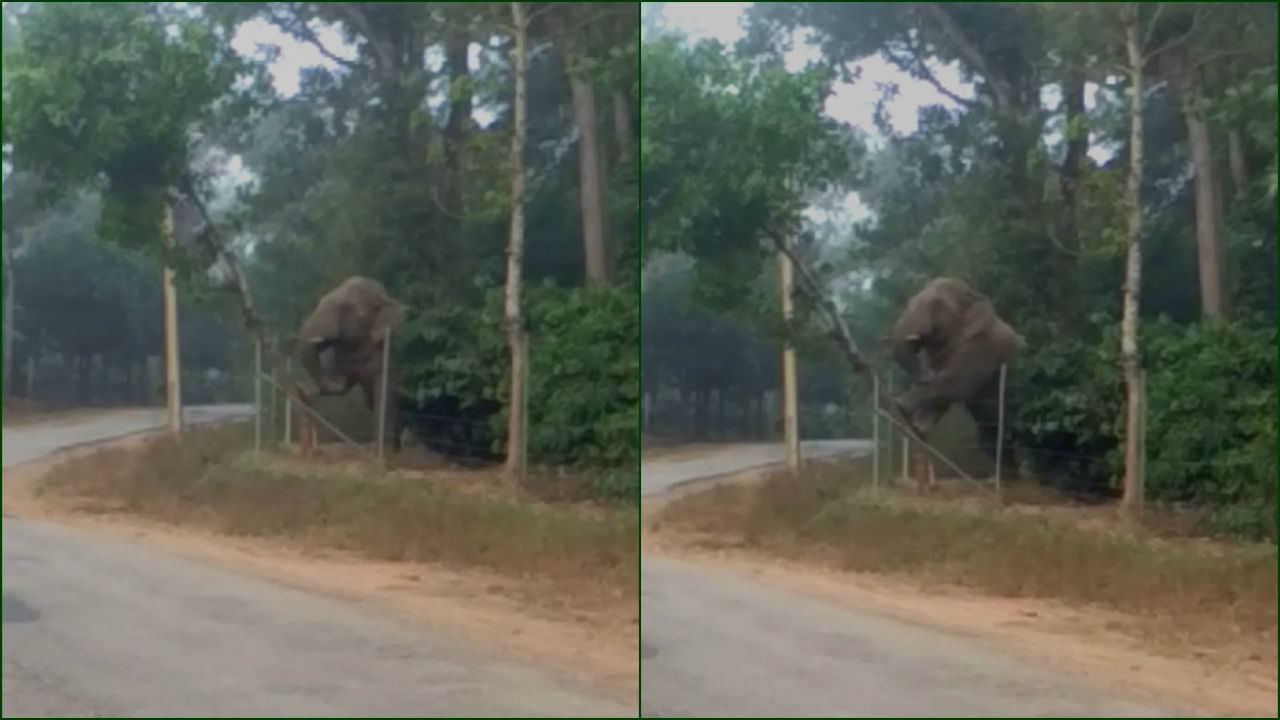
516,420
1183,78
1235,160
1133,481
1208,226
460,107
590,176
1077,136
622,134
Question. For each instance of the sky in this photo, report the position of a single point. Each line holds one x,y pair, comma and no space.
852,103
294,55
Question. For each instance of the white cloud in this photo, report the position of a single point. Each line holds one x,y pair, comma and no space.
855,103
294,56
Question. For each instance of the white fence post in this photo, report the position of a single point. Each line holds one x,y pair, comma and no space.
524,409
1142,434
1000,428
271,414
257,396
288,403
382,395
875,433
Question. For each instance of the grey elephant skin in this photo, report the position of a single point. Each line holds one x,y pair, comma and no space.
349,326
963,342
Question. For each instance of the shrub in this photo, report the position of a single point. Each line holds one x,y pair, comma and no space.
1211,417
583,376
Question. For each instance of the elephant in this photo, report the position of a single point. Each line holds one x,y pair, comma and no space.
963,342
352,322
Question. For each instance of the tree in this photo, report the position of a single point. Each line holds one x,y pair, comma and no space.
596,44
129,106
517,422
382,164
1018,178
1135,54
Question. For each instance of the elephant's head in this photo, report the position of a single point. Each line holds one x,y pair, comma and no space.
934,320
353,318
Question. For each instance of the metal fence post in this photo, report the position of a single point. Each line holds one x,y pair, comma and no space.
875,433
524,409
288,403
272,417
1000,428
1142,434
888,441
382,395
257,396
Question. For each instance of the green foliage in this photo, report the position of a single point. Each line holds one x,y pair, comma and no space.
584,372
702,193
584,375
731,150
1212,414
114,91
385,167
1070,398
1211,417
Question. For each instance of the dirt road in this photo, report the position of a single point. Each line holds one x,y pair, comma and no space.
715,644
99,626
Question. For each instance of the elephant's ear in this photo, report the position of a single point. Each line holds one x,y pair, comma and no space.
389,318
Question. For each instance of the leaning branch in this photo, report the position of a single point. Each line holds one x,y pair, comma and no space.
301,29
209,238
969,51
919,68
381,53
839,332
836,326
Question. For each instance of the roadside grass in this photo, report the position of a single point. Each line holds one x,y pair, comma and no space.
209,480
832,516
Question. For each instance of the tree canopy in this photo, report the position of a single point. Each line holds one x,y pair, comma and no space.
389,161
1011,179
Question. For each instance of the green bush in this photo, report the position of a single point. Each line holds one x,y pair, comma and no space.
1211,417
1211,421
583,376
1069,397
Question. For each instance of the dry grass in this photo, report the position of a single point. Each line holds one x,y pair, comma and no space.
1079,555
208,480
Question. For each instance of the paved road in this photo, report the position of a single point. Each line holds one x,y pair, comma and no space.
31,442
96,626
714,644
658,476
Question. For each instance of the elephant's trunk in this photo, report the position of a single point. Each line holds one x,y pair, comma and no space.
906,353
317,381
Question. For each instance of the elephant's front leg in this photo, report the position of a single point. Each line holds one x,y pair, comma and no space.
308,390
319,380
